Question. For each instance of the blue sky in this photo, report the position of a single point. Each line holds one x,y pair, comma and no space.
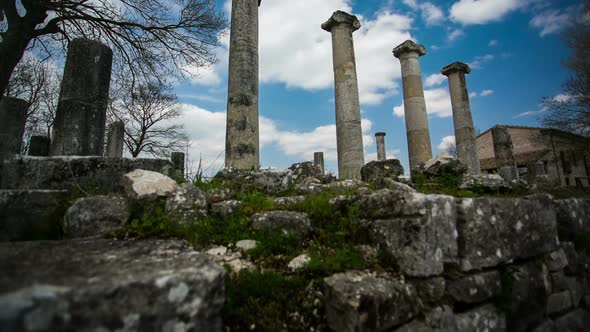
513,47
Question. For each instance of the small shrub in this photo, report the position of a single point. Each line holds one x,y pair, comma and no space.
326,261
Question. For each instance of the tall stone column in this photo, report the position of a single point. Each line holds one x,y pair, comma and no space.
13,117
39,146
419,146
380,139
462,119
504,153
115,138
242,148
349,134
81,111
318,160
177,159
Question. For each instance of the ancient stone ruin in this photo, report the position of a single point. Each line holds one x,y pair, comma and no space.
93,243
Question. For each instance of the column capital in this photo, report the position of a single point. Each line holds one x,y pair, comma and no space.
455,67
379,134
409,46
340,17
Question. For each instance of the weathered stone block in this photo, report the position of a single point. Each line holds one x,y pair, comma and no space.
486,318
142,185
420,232
575,321
558,303
573,217
438,319
357,301
493,231
296,223
525,291
546,326
269,181
187,203
94,216
153,285
430,290
376,171
95,175
225,208
475,288
31,214
556,260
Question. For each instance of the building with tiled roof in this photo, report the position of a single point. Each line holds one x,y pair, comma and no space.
565,156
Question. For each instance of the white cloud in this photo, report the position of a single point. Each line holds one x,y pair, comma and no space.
432,14
551,21
434,80
455,34
206,130
483,11
438,104
493,43
446,143
485,93
478,61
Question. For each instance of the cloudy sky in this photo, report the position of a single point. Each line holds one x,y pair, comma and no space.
513,47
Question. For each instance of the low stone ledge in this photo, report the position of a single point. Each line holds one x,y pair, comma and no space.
99,284
31,214
96,175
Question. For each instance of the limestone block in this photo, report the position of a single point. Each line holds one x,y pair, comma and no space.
148,186
269,181
357,302
475,288
556,260
31,214
376,171
525,291
296,223
417,230
154,285
573,216
558,303
486,318
95,216
187,203
496,230
438,319
225,208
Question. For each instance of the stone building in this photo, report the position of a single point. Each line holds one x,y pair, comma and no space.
564,156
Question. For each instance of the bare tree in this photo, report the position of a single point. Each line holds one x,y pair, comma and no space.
571,110
148,112
37,82
148,37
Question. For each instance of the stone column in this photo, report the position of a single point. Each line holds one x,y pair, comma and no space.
39,146
464,129
242,148
81,110
318,160
13,117
177,159
419,146
115,140
380,139
504,153
349,134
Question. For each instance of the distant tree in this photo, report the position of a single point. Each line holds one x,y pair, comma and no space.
37,82
149,112
148,37
451,148
571,110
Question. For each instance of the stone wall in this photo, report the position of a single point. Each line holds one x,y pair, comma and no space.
468,264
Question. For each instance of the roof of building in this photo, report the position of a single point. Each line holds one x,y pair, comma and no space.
543,129
521,159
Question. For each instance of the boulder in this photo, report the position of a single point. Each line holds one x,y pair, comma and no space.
572,216
304,170
299,262
556,260
497,230
31,214
219,195
377,170
418,231
187,203
486,318
357,301
288,200
99,284
142,185
226,208
444,164
559,303
95,216
475,288
246,244
296,223
98,175
484,183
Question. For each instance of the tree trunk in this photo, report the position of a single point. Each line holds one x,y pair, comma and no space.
12,49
